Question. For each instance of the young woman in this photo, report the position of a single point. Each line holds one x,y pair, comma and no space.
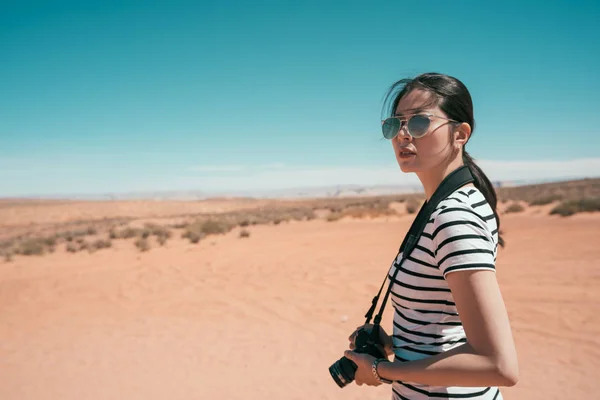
451,332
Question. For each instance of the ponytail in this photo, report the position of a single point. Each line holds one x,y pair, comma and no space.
485,187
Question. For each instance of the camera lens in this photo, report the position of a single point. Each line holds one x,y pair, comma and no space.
342,371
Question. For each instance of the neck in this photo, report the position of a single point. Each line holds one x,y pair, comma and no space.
432,178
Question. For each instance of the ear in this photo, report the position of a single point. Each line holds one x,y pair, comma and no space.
462,135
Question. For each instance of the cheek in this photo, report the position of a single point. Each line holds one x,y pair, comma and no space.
432,144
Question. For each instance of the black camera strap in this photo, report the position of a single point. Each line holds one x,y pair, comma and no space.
454,181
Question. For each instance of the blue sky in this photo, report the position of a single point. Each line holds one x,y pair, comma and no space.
126,96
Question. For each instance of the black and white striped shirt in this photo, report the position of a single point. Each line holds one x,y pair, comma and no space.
461,234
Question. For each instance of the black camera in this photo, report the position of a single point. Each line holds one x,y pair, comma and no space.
367,342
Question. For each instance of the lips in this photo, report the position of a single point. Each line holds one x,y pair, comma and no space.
407,152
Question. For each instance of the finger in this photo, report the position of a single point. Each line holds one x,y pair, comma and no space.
349,355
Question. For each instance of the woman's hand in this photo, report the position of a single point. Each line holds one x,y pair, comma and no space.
364,374
386,339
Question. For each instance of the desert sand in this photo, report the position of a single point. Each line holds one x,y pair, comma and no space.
264,317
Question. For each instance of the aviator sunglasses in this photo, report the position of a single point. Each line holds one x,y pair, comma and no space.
417,125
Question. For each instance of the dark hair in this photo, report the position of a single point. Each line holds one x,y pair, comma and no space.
454,99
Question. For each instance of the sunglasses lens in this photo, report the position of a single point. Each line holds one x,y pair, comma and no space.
418,125
390,127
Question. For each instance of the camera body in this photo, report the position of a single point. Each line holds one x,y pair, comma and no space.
367,342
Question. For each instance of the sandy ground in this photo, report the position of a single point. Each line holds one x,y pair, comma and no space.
264,317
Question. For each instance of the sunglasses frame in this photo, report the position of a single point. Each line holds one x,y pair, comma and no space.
406,118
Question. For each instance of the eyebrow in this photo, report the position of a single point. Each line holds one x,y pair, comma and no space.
410,111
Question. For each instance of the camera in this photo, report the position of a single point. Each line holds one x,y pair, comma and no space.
367,342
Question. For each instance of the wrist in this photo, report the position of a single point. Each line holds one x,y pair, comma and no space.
388,370
376,369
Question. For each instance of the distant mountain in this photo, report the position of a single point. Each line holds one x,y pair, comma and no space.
299,192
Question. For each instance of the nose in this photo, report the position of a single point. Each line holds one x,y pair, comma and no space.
403,135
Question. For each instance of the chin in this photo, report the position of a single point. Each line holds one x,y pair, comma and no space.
407,168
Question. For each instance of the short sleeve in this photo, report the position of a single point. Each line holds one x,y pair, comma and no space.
462,241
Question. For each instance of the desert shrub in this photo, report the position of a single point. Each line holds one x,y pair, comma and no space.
568,208
101,244
245,223
145,233
50,241
32,247
194,236
128,233
214,227
158,230
369,211
92,230
244,233
334,216
142,244
514,208
161,240
71,248
412,205
543,200
8,257
85,246
112,234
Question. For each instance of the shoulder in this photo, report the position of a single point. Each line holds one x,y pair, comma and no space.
464,210
463,232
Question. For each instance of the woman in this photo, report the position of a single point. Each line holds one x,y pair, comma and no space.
451,333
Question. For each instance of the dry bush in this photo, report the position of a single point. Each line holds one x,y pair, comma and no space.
193,236
8,257
32,247
158,230
71,248
412,205
85,246
371,211
244,233
204,227
215,227
161,240
50,241
545,199
128,233
514,208
101,244
69,236
142,244
334,216
568,208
